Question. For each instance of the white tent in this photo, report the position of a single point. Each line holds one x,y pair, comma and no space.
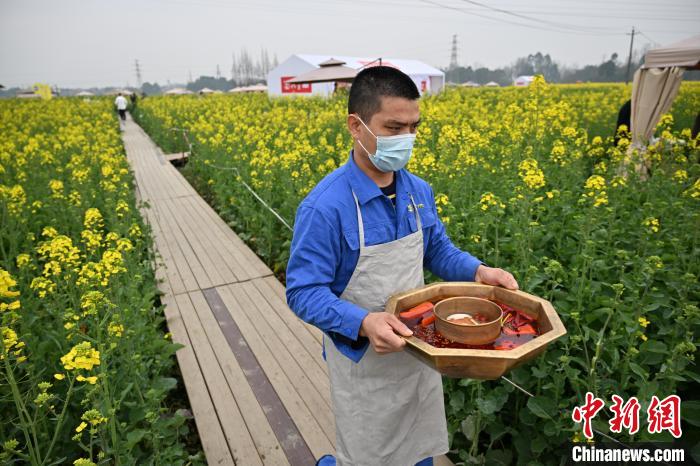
523,81
492,84
84,94
206,90
656,85
27,94
427,78
252,88
178,91
120,91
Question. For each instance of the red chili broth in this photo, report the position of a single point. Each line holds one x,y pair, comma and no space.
504,342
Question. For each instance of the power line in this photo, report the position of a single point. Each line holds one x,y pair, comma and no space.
531,26
641,33
521,16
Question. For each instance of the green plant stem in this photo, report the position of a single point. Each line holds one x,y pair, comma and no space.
21,411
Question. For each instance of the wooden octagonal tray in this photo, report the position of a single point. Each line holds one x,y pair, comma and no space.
480,363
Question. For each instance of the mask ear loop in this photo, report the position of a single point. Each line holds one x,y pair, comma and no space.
370,132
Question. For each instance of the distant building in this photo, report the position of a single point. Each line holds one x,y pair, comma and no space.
523,81
252,88
427,78
178,91
27,94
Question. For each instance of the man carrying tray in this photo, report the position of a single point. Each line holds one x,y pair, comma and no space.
364,233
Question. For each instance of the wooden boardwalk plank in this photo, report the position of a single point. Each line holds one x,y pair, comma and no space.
174,282
202,232
278,290
317,438
175,247
252,412
277,337
302,343
210,433
234,260
175,237
237,435
285,430
195,239
257,266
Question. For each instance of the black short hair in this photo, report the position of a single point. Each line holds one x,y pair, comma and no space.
375,82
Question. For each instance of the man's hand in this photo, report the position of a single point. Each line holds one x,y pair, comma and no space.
381,328
494,276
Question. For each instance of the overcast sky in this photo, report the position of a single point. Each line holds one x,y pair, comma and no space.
84,43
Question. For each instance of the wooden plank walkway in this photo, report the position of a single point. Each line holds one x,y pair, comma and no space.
256,381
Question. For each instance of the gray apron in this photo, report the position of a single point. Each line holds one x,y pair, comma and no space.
389,408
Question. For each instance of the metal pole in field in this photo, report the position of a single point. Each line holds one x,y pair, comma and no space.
629,58
137,68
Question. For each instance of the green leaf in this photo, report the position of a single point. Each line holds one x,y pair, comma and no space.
499,457
538,444
539,373
493,402
654,346
457,400
691,412
134,437
637,369
550,429
496,430
541,407
165,384
469,427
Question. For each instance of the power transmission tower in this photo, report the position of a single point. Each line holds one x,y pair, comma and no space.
453,56
218,72
629,58
137,67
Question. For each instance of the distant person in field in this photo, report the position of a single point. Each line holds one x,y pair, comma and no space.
121,104
624,117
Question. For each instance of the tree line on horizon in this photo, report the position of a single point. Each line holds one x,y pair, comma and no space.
614,69
247,69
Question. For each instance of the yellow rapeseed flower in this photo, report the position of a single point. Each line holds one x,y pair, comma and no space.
81,356
531,174
652,223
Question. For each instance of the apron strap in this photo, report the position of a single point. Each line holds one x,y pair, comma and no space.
360,225
419,223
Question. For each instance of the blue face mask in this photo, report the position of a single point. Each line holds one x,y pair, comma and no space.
393,152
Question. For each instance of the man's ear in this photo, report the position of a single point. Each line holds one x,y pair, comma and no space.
354,126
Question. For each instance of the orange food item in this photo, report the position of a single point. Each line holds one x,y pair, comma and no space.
527,329
417,311
428,320
505,345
